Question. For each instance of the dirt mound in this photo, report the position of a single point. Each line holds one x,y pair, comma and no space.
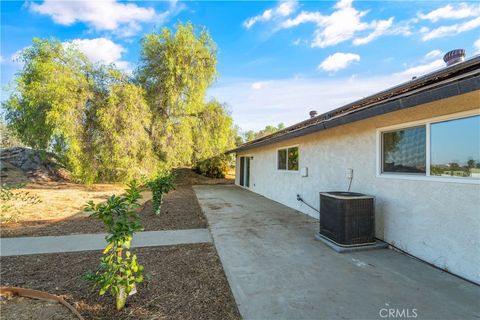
20,165
186,176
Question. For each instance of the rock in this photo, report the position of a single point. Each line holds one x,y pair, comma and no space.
36,165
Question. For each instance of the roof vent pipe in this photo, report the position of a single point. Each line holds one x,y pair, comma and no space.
454,56
313,114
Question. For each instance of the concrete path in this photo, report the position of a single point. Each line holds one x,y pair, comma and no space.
278,271
83,242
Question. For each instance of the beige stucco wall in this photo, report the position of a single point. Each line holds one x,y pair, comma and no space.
436,221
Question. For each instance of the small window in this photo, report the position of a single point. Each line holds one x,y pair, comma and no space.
404,151
455,148
287,159
282,159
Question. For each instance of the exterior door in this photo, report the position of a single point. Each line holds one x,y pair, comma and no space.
245,171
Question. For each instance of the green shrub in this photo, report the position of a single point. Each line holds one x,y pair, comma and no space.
215,167
119,270
159,186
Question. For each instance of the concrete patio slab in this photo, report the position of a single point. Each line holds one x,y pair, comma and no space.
84,242
277,270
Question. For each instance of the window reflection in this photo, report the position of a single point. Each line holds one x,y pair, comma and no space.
293,158
282,159
404,150
455,148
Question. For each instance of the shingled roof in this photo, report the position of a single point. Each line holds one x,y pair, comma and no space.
450,81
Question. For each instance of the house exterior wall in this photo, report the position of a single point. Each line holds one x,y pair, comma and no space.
437,221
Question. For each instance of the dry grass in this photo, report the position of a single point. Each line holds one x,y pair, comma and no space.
61,200
61,210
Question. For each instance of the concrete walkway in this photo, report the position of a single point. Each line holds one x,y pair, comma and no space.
278,271
84,242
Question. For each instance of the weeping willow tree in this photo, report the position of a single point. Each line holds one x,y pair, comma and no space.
176,70
214,132
108,126
86,114
49,107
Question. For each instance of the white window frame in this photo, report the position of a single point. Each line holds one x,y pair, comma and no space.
286,168
427,123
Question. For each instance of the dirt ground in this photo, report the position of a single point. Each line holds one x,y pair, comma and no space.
61,210
185,282
63,200
20,308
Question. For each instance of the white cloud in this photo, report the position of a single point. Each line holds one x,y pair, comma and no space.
380,27
343,24
284,9
476,44
107,15
431,61
433,54
338,61
259,85
101,50
98,50
15,57
423,69
450,30
2,59
462,10
290,100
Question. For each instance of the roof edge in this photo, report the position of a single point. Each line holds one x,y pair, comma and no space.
415,86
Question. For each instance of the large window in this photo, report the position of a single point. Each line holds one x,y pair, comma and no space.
449,148
287,159
455,148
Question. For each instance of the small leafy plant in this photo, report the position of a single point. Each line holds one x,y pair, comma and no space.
159,186
119,270
12,202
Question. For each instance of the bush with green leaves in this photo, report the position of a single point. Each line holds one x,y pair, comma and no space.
159,186
12,202
215,167
119,270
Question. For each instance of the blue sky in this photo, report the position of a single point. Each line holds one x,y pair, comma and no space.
276,60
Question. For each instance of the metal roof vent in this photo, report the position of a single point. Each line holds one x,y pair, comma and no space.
454,56
313,114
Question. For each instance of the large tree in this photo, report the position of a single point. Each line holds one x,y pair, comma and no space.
49,105
176,68
87,114
214,132
108,126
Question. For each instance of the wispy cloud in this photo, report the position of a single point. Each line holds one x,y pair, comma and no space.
344,24
451,30
460,11
430,62
283,9
380,28
433,54
289,100
338,61
476,45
